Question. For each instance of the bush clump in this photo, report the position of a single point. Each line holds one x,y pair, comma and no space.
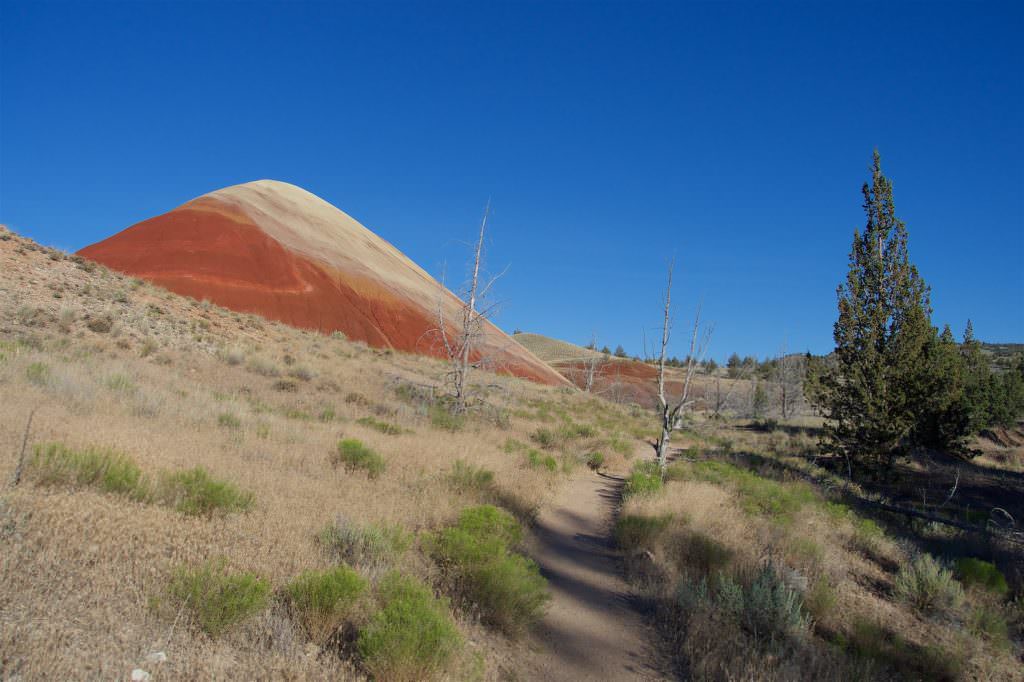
354,455
477,556
595,460
645,479
927,586
106,470
195,492
218,599
323,598
370,547
412,637
982,574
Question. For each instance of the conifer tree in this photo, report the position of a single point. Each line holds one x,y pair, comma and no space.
869,396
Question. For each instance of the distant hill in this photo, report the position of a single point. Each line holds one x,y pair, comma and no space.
274,249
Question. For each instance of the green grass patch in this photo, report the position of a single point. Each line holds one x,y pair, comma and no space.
758,495
466,478
38,373
595,460
105,470
983,575
412,637
386,428
218,599
643,480
228,420
636,531
545,438
324,598
354,455
536,460
478,559
441,417
197,493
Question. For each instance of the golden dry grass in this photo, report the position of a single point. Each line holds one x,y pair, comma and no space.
79,569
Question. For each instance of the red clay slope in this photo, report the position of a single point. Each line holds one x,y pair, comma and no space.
274,249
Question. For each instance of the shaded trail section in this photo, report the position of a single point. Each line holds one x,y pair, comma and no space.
592,630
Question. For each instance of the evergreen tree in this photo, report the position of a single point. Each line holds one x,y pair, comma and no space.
943,411
620,352
869,397
978,385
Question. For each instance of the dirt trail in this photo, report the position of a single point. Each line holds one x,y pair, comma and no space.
592,631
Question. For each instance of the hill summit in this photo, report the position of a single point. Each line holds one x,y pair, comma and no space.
274,249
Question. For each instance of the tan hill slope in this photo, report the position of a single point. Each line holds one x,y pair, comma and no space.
276,250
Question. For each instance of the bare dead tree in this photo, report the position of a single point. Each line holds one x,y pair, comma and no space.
591,365
461,340
789,377
671,411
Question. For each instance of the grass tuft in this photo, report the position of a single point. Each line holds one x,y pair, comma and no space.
369,547
215,598
644,480
323,598
354,455
196,493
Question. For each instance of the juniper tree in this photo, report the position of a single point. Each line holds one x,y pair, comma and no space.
868,396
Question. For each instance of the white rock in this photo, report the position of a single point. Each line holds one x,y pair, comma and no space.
140,675
156,657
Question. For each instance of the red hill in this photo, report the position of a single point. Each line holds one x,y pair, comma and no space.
274,249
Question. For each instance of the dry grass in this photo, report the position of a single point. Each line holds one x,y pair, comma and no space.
79,568
725,519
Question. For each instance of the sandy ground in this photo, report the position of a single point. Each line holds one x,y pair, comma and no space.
592,630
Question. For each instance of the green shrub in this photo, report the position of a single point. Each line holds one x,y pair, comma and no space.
982,574
477,559
38,373
370,547
412,638
466,478
771,609
595,460
106,470
228,420
441,417
634,531
645,479
195,492
327,415
536,460
386,428
324,598
216,598
354,455
927,586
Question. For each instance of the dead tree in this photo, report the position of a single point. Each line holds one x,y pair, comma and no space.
591,365
461,344
671,411
788,375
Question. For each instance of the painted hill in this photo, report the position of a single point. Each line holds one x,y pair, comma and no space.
276,250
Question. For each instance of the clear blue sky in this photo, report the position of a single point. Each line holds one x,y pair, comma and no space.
607,135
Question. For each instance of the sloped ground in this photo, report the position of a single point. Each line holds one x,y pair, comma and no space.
112,362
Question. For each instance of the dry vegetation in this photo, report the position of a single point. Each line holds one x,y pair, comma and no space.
759,565
98,577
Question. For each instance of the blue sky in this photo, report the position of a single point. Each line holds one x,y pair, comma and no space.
608,136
